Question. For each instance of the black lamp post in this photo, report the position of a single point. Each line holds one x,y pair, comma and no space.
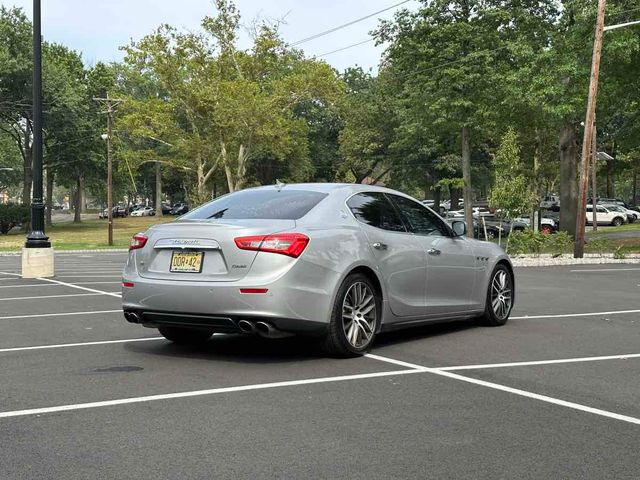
36,238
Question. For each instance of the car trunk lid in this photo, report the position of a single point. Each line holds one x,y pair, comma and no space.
221,259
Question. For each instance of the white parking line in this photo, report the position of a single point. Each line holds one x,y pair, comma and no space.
567,315
592,270
67,345
539,362
523,393
536,396
39,315
51,296
119,275
199,393
32,285
101,292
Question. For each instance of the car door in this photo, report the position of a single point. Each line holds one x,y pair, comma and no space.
451,262
401,258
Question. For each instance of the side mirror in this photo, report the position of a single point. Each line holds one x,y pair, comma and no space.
459,228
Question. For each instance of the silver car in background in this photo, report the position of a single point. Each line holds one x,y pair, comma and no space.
341,262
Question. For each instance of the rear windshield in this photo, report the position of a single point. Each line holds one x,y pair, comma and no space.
264,204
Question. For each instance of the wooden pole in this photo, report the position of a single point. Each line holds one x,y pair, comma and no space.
578,247
594,166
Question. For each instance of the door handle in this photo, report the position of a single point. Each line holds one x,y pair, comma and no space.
433,251
380,246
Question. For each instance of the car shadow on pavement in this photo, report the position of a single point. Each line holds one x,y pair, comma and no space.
237,348
424,332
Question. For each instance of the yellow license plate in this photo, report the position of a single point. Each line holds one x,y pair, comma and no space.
186,262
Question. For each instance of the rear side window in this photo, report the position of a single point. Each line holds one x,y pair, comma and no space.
266,204
374,209
421,220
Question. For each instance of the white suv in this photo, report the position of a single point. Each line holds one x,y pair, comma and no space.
606,216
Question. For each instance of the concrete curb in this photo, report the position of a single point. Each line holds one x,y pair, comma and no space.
546,260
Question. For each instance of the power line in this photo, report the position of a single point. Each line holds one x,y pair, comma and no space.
348,24
345,48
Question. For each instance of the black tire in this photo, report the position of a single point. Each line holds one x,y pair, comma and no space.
185,336
335,342
616,222
490,317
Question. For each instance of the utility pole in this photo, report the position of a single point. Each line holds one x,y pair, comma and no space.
37,256
110,104
594,166
578,247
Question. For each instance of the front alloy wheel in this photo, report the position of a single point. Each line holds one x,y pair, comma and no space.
354,319
499,297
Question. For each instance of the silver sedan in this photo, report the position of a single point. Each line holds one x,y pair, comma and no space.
340,262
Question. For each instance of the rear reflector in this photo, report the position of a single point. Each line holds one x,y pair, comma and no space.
127,284
290,244
254,290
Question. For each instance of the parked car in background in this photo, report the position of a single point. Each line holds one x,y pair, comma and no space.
606,216
632,215
550,202
166,208
116,212
143,212
547,225
179,209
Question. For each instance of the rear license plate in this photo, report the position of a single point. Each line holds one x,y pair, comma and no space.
186,262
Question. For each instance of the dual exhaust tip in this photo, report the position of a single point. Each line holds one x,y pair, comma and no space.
261,328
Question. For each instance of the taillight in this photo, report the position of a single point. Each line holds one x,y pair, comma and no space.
139,240
290,244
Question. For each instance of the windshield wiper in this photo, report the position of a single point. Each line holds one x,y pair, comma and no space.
218,214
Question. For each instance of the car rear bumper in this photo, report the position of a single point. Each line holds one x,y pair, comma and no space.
291,304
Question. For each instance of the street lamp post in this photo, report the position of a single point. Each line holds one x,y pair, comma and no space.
37,256
36,238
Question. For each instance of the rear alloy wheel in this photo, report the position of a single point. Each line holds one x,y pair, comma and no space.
617,222
355,318
499,297
185,336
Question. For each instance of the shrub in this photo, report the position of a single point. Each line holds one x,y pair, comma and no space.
528,241
12,215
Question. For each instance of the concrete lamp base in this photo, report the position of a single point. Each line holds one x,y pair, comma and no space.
37,262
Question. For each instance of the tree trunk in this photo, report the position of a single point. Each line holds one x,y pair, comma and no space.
634,193
83,196
466,176
77,201
611,192
27,166
568,179
49,200
158,190
454,194
437,193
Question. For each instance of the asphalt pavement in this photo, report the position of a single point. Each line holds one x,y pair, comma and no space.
553,394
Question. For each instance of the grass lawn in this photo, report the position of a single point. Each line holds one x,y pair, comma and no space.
90,234
602,229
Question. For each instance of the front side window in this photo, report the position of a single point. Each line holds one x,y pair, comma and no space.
421,220
373,208
264,204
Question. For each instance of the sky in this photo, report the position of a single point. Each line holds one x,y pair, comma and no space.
98,27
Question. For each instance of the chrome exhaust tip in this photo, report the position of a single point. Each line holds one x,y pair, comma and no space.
246,326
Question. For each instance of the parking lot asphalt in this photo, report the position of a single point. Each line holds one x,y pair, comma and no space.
553,394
